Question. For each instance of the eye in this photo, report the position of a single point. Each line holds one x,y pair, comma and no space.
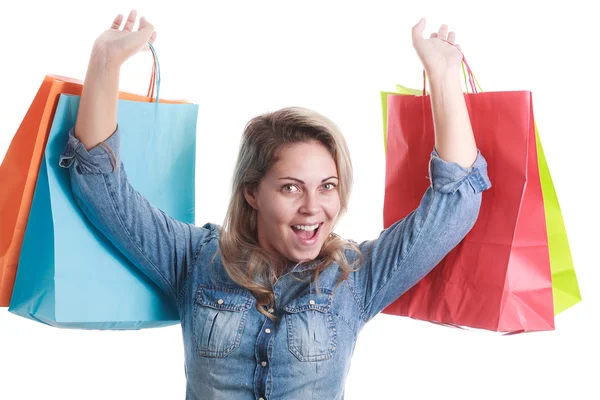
329,186
290,188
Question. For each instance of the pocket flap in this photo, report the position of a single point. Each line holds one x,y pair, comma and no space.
224,299
311,301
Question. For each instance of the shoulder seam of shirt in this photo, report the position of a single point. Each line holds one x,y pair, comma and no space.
211,235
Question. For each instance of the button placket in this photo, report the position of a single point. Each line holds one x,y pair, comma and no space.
265,337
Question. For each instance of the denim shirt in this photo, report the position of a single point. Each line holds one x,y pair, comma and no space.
232,351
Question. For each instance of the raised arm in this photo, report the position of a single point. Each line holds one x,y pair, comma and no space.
441,59
161,247
406,251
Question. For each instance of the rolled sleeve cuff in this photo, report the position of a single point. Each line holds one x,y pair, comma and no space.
103,158
448,177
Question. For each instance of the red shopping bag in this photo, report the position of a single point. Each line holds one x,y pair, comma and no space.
498,277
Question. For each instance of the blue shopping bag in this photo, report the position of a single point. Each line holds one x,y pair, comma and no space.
69,274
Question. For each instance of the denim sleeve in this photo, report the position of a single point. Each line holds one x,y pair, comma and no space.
407,250
162,248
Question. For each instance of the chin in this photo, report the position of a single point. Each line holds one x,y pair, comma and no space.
306,256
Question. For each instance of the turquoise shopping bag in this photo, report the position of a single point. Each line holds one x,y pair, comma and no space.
69,274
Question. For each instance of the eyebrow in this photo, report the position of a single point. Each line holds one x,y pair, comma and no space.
302,182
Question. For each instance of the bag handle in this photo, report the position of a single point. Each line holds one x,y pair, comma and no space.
152,81
472,81
155,78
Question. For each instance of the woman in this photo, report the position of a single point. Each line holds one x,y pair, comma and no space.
271,303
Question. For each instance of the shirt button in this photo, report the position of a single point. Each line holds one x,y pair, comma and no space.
261,398
267,330
264,363
220,301
271,310
312,302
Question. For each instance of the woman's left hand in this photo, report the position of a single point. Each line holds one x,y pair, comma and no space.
438,57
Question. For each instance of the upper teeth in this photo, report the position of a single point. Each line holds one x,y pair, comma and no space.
307,227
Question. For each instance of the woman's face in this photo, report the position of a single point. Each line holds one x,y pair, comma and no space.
297,202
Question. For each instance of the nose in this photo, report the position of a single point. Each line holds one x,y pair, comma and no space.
310,204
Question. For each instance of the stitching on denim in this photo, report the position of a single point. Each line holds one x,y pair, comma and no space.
269,380
357,299
290,333
113,202
347,324
295,306
473,172
474,182
408,252
184,284
295,350
247,296
197,346
458,184
478,182
207,352
109,151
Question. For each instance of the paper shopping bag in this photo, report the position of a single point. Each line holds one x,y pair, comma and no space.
69,274
498,278
565,287
19,170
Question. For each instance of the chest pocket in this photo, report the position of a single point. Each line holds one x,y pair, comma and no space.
312,335
219,319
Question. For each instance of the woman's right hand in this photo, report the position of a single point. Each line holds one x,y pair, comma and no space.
116,46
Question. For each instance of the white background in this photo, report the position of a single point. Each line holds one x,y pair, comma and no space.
240,59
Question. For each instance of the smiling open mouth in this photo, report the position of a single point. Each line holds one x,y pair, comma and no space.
307,234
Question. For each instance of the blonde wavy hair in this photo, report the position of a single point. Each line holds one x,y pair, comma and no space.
244,259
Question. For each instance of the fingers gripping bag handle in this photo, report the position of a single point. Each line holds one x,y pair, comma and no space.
468,75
